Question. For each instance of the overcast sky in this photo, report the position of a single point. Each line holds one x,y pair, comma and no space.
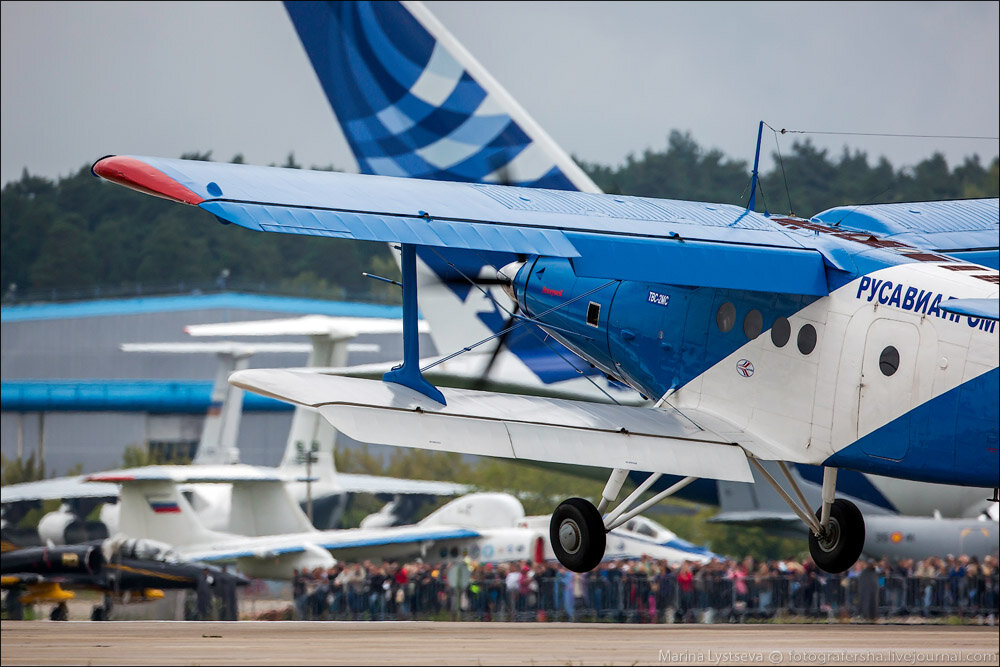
86,79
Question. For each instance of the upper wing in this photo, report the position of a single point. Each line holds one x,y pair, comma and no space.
966,229
687,243
59,487
192,474
533,428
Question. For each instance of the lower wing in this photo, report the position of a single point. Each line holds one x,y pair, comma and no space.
511,426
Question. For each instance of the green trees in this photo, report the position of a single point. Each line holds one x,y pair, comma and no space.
83,233
804,181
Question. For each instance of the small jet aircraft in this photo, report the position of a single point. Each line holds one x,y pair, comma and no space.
497,141
125,570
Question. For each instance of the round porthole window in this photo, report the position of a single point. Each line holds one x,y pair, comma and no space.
888,361
807,339
781,332
726,317
753,323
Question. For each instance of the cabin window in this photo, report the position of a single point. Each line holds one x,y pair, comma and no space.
753,324
726,317
888,361
807,339
593,314
781,332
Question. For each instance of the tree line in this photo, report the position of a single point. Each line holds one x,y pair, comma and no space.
82,232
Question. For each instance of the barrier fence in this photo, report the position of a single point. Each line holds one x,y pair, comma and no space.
640,598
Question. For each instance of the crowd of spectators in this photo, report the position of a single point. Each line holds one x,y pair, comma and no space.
648,590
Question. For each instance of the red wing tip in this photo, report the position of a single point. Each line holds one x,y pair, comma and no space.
109,478
138,175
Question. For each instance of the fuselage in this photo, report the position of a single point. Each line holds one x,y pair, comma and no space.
874,377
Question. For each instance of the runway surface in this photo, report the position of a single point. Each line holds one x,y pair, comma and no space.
434,643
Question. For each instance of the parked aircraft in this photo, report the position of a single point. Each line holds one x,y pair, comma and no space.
497,141
326,490
269,535
888,534
326,495
216,446
125,570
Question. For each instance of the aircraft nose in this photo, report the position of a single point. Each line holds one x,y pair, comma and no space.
506,275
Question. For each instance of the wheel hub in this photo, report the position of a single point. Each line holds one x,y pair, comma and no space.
831,536
569,536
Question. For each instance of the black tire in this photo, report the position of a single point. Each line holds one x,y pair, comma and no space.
577,535
842,548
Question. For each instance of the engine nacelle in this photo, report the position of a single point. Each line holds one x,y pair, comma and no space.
66,527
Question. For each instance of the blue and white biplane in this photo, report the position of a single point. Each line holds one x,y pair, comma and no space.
412,101
861,339
761,338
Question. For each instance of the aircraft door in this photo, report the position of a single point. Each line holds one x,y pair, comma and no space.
887,391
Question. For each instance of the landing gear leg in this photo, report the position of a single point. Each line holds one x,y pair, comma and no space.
841,537
577,535
578,532
836,532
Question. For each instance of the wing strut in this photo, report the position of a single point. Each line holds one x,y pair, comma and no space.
408,373
756,161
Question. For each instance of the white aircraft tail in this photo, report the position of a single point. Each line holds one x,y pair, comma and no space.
266,508
156,509
222,423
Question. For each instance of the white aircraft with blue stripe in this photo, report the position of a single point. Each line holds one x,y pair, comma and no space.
269,536
401,46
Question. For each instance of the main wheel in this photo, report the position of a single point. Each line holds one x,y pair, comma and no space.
577,534
840,548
